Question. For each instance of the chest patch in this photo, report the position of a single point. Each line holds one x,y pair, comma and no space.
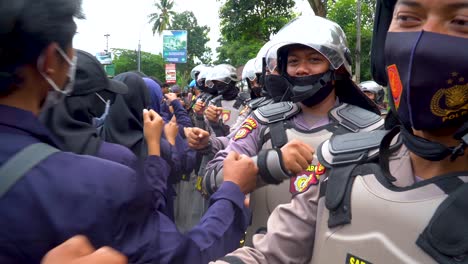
226,115
305,179
247,127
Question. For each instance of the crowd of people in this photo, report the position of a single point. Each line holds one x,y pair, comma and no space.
303,166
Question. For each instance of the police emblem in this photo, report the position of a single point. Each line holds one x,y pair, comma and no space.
247,127
226,115
456,100
311,176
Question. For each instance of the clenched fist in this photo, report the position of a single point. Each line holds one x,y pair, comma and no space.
197,138
153,125
241,170
78,250
213,113
297,156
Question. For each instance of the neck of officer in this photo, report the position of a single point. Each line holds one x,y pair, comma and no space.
322,108
25,95
427,169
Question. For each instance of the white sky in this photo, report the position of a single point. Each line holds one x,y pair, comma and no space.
127,22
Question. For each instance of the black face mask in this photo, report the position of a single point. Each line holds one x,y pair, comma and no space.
257,91
428,78
312,89
221,87
278,88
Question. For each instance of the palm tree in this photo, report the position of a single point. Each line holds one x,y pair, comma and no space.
163,18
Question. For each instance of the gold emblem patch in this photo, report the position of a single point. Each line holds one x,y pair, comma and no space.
450,103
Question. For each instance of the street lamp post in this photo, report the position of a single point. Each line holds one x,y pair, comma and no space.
107,42
139,56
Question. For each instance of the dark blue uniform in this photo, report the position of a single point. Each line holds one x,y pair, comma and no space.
69,194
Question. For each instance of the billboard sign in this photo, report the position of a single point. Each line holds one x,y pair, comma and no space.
105,58
171,74
175,46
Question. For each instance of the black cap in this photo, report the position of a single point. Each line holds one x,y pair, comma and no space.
90,77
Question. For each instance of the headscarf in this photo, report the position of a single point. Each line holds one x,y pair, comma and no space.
71,122
124,125
155,94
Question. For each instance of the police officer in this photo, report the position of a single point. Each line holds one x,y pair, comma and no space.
282,136
47,196
376,93
223,109
410,206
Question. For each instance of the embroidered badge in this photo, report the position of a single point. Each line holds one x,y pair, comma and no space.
395,84
451,103
226,115
304,180
247,127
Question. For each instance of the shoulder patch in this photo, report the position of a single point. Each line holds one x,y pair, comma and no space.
305,179
247,127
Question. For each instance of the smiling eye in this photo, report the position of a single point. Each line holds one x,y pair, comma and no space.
460,22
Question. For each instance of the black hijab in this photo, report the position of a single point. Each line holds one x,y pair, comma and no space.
71,122
124,124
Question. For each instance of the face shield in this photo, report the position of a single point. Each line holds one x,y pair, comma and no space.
249,71
224,73
202,76
196,70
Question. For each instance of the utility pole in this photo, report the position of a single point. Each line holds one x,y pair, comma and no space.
107,42
139,56
358,42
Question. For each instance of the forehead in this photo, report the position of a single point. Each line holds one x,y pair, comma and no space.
430,4
301,50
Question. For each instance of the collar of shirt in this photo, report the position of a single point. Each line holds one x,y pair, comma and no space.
309,121
17,121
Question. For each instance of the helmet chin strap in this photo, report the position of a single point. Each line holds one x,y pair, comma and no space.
434,151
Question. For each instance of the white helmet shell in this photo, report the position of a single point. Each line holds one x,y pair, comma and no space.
319,33
223,73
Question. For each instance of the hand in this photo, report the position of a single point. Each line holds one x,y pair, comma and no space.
240,170
213,113
198,107
78,250
171,97
153,125
297,156
170,130
197,138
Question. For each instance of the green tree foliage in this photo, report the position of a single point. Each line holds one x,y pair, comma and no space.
151,64
197,41
319,7
343,12
247,24
161,20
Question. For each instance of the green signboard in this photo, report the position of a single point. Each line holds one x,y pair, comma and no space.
175,46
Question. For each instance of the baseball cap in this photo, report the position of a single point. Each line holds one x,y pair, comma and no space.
175,89
91,77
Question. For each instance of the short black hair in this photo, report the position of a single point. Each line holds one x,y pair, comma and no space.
29,26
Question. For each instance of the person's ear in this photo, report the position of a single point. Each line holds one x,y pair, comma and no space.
49,60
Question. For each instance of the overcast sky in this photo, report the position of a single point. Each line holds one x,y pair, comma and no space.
127,22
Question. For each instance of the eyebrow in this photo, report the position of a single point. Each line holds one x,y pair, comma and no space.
410,3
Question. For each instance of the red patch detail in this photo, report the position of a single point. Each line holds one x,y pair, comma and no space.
304,180
247,127
226,115
396,86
